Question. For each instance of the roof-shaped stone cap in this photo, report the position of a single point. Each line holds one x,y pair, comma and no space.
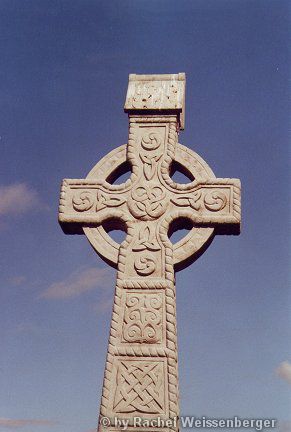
157,93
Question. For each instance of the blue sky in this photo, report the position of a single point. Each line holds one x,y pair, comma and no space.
64,72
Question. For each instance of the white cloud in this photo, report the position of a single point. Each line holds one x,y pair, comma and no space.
15,423
17,198
78,283
284,371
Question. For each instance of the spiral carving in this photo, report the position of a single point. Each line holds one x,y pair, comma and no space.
142,318
215,200
83,201
151,141
145,265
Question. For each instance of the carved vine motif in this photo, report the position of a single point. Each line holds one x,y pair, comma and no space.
213,200
147,203
143,318
140,387
145,264
85,200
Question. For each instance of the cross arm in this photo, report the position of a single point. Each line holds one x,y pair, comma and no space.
215,202
88,202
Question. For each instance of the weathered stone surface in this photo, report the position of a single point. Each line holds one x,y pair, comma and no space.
141,376
157,93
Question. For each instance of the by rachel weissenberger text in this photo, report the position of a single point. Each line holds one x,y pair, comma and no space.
190,422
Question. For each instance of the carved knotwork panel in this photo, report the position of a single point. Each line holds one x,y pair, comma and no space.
151,148
148,199
84,200
140,386
206,199
145,253
143,320
148,202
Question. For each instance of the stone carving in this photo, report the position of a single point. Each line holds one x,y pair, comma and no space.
139,387
143,318
148,203
147,93
150,165
150,95
153,151
193,201
104,200
151,141
147,239
215,200
83,201
141,374
145,265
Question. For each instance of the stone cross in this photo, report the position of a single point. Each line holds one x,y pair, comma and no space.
141,374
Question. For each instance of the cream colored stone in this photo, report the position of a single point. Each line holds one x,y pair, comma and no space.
141,375
157,93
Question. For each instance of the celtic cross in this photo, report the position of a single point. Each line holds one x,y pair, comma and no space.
141,375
